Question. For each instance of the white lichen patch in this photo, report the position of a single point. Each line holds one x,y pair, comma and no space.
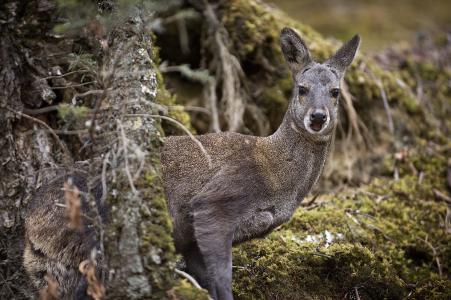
326,238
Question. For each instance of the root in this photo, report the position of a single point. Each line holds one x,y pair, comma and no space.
229,76
356,126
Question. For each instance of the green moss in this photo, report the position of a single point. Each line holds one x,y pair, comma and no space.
73,115
185,291
166,98
157,245
273,100
376,240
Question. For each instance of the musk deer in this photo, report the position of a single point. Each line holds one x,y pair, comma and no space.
53,248
249,185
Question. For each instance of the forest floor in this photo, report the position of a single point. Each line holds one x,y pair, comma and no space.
377,226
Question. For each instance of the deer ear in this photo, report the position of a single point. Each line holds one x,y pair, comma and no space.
294,50
345,55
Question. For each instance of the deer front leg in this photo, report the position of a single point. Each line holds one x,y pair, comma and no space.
215,244
195,265
217,211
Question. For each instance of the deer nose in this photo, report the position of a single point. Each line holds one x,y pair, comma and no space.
318,117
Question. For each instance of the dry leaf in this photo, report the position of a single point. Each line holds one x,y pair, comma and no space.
73,205
50,291
95,287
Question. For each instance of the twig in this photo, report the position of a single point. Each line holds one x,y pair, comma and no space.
52,132
310,202
420,177
210,93
73,85
63,75
352,114
104,186
190,108
90,92
189,277
384,100
386,106
357,296
435,254
196,75
125,146
192,137
440,196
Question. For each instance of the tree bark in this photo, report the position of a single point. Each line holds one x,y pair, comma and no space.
108,121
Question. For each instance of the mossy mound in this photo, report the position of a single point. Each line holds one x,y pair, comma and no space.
426,68
185,291
381,109
385,240
254,30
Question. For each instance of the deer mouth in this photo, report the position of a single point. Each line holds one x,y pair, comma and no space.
316,126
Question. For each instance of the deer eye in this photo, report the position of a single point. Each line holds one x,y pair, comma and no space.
303,90
335,93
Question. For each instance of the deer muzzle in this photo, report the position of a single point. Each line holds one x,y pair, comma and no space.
316,120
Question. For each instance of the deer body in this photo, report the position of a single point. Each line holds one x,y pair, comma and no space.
278,174
250,185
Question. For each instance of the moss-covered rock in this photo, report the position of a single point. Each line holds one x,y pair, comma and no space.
383,241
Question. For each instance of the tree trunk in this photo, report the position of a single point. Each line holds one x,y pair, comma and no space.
85,98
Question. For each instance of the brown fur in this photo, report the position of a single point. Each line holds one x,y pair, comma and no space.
52,247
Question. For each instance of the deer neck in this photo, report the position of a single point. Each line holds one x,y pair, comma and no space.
295,157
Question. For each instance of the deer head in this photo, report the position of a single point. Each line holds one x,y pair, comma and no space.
313,108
